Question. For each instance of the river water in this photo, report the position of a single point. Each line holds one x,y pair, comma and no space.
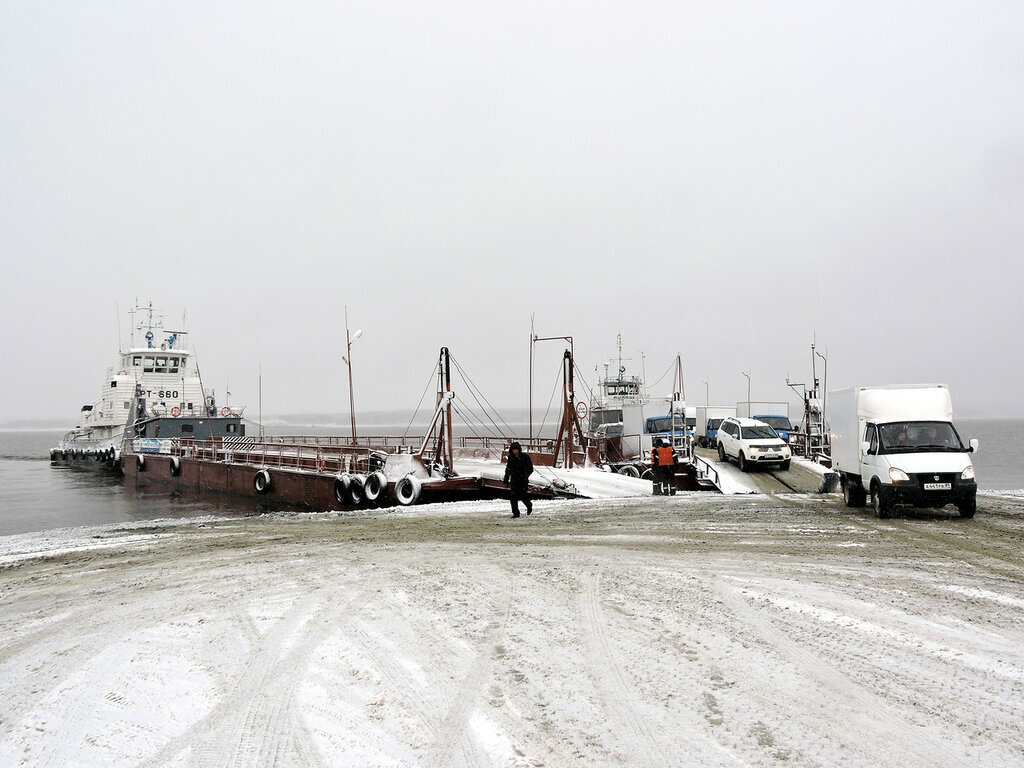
35,496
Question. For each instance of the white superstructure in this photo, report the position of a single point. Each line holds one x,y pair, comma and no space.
154,377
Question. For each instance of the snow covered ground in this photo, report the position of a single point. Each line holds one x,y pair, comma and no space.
696,630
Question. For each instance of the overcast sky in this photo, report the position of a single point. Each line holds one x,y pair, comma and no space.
727,181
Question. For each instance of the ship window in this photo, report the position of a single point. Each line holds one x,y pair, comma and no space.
136,360
231,427
126,405
149,362
113,383
187,428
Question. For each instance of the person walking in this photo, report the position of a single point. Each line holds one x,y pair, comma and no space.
663,461
518,469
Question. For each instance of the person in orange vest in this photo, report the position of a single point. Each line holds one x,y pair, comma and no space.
663,460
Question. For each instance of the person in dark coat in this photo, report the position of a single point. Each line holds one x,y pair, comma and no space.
518,469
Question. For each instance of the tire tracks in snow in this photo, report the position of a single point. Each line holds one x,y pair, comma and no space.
616,691
256,723
858,718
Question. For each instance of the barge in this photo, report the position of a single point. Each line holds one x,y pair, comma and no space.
329,473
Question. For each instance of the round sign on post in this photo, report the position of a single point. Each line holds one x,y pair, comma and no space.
581,410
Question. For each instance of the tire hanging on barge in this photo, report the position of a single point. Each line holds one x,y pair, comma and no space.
356,492
341,483
261,482
175,466
408,490
375,487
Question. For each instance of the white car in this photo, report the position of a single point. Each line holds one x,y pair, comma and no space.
752,443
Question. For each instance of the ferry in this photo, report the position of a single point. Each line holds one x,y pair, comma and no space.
154,391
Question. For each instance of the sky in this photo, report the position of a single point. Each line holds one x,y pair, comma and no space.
726,181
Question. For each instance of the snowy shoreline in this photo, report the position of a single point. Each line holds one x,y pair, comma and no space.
699,629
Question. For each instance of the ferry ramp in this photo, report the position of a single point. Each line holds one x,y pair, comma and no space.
797,479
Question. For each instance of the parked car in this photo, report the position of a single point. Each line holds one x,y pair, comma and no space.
751,443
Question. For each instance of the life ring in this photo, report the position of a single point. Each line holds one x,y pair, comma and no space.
408,490
225,411
375,487
175,466
356,490
140,462
176,411
341,489
122,372
261,482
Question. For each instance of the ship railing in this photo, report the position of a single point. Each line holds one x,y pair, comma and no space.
329,459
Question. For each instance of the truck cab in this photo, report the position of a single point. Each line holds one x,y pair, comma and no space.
780,424
922,463
673,429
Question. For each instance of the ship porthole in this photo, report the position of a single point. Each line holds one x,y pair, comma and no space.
261,482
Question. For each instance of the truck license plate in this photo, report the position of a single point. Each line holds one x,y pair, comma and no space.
938,486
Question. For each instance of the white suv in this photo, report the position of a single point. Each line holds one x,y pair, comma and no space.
752,443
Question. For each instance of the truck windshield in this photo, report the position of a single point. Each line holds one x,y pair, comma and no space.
758,433
664,424
714,423
777,422
919,437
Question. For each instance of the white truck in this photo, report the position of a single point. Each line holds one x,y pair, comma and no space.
708,419
897,445
774,414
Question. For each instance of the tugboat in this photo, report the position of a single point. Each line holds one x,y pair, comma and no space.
154,391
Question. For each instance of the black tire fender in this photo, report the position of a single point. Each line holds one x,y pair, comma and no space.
140,462
261,482
175,466
375,487
408,490
341,488
356,490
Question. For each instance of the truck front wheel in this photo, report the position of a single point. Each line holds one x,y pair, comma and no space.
968,507
879,502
